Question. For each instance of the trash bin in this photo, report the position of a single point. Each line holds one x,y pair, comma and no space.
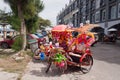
33,44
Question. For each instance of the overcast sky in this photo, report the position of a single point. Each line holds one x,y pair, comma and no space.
4,6
52,8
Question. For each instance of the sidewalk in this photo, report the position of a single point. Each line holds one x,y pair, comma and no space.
8,76
36,71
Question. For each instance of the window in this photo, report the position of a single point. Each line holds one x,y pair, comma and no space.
119,10
112,11
76,4
87,7
8,32
84,19
75,19
103,14
111,0
92,18
83,10
93,4
102,2
97,17
70,8
87,17
97,4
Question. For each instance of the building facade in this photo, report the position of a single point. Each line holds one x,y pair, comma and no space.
106,13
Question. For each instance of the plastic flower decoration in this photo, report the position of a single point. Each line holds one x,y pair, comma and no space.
59,57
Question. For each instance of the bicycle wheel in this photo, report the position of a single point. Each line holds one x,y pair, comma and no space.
64,67
36,51
49,65
50,62
86,64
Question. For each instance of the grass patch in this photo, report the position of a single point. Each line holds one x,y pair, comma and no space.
29,53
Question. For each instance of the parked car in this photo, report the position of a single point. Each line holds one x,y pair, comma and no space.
33,36
7,43
39,35
44,32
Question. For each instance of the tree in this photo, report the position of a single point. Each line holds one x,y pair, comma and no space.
4,22
14,21
44,23
25,10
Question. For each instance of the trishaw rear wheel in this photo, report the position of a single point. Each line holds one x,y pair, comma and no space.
86,64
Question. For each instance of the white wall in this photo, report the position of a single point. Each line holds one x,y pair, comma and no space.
112,23
102,25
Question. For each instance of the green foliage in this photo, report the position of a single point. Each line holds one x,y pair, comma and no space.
30,53
17,45
44,23
29,9
15,22
32,24
3,17
39,6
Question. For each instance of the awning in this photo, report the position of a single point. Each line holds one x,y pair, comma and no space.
112,29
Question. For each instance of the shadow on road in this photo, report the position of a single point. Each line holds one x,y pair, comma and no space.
54,71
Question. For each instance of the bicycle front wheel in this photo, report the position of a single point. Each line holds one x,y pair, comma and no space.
63,67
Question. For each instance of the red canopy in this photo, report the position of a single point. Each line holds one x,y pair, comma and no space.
59,28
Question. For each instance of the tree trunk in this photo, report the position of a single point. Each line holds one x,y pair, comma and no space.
23,27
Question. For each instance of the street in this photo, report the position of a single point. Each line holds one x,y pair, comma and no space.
106,66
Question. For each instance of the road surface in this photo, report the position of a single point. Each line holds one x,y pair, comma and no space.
106,67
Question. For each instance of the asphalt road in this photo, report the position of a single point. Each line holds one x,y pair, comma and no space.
106,67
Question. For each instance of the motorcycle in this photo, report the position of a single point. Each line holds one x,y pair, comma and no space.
109,39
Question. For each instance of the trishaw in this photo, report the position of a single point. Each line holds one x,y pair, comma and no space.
71,51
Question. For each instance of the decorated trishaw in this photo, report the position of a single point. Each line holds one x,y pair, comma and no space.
71,51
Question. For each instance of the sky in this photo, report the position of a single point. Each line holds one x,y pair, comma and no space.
4,6
51,10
